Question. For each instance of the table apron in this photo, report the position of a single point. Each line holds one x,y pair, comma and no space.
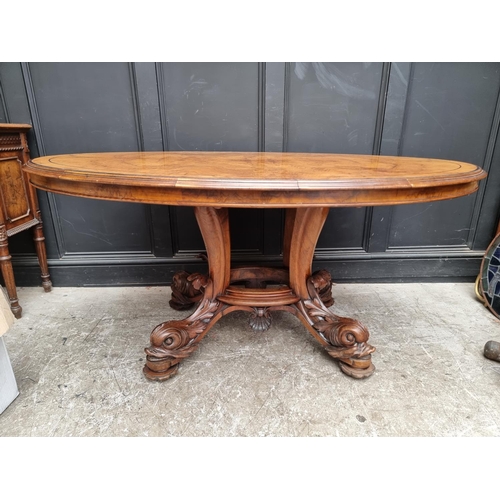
252,198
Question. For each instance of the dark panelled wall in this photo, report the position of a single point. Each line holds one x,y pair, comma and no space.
440,110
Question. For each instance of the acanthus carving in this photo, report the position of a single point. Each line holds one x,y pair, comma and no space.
347,338
187,290
173,341
322,281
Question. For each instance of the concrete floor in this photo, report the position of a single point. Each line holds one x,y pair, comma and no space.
78,355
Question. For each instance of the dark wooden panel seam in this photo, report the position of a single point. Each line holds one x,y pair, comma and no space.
151,228
174,231
4,104
381,217
272,87
160,78
382,102
367,229
35,117
377,144
135,106
405,112
148,105
140,140
146,108
261,107
55,218
286,104
488,158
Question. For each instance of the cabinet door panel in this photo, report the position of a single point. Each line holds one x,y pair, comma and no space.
12,189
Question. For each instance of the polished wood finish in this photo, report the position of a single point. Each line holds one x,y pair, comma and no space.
18,207
173,341
254,179
306,184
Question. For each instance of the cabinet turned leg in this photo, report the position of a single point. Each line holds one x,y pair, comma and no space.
39,240
8,274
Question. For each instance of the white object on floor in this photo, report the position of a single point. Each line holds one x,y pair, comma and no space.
8,384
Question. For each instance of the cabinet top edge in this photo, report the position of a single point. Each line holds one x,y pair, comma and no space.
15,126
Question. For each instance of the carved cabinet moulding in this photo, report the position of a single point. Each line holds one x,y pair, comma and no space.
10,142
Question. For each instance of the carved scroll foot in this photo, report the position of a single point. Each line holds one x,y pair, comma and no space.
187,290
173,341
160,376
344,339
357,368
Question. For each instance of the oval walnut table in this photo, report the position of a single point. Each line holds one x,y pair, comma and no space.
307,185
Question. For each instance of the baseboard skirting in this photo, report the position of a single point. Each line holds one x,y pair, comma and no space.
395,269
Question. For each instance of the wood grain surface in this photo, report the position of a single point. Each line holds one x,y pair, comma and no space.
15,126
254,179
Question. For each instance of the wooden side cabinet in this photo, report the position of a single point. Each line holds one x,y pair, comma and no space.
18,207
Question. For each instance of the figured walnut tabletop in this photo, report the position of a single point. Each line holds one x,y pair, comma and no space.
254,179
306,184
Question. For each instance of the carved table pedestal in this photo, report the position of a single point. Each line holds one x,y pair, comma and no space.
305,184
